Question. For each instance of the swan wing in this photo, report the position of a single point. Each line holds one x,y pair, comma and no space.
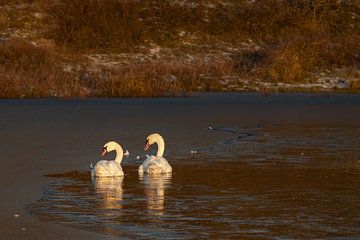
154,165
108,169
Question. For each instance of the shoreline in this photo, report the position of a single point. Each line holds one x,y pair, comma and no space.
267,93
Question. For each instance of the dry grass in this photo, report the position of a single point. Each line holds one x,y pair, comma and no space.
294,39
150,79
355,86
29,71
296,60
114,24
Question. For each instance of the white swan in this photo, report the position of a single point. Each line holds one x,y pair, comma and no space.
106,168
155,164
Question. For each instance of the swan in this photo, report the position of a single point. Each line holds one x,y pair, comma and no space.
106,168
155,164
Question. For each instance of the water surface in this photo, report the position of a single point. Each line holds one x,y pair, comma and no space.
245,166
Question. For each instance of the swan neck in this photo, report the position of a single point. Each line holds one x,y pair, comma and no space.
161,147
119,154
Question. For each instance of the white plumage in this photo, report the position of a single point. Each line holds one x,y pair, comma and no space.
112,168
155,164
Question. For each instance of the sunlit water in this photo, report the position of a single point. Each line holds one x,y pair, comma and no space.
279,181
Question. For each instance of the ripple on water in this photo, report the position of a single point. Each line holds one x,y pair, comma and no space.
261,203
290,181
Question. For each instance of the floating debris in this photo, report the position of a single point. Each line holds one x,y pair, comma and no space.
137,157
16,215
126,154
193,152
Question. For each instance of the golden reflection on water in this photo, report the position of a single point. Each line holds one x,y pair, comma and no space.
110,191
284,183
154,189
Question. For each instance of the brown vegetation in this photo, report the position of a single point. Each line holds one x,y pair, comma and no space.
260,41
29,71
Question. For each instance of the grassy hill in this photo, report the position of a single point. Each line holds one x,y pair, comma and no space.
75,48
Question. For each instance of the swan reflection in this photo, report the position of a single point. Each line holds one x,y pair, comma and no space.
155,186
109,191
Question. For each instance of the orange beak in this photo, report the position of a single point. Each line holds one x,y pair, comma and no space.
147,145
104,152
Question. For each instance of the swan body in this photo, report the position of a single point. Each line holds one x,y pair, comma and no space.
155,164
110,168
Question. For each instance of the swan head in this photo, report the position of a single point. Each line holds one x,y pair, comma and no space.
108,147
151,139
